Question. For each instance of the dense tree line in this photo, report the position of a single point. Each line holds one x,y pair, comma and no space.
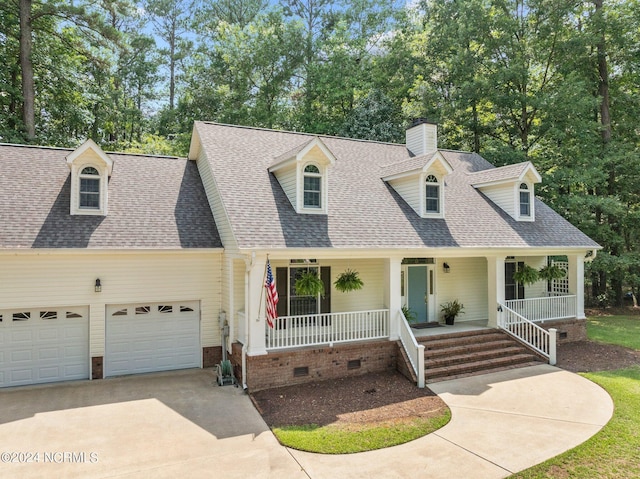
556,82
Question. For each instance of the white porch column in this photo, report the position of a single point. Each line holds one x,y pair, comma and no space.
495,287
392,294
576,281
255,305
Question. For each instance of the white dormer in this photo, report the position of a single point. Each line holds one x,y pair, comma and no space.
90,170
420,182
422,137
303,173
511,188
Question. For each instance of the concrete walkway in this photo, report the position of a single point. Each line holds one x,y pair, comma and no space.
501,423
181,424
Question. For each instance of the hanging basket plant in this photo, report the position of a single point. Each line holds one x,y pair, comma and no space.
309,284
551,272
348,281
526,275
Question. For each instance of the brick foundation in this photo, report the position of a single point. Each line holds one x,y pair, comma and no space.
96,367
286,368
569,330
211,355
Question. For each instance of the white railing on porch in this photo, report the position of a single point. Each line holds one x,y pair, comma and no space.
327,328
547,308
527,332
414,350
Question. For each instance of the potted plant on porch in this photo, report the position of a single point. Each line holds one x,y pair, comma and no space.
451,309
409,315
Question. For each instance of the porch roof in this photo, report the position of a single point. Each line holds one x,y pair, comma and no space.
363,210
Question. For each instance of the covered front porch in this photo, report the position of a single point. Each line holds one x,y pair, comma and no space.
391,286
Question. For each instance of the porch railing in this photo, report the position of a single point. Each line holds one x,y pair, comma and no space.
547,308
527,332
414,350
327,328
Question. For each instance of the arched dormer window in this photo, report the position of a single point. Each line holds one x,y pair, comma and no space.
432,195
525,200
89,190
312,187
90,171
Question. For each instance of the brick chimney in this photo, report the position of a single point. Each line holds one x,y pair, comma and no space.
422,137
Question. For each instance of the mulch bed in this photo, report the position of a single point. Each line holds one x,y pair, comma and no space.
387,397
590,356
367,399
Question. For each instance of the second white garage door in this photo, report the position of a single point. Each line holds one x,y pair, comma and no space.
148,337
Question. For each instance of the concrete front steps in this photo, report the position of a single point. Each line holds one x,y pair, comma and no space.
456,355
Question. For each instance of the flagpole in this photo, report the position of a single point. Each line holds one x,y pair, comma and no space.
264,286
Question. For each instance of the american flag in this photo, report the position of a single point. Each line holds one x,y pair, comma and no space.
272,297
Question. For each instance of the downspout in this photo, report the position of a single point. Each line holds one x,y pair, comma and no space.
248,266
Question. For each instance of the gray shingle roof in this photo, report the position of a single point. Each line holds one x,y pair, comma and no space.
509,172
291,153
364,211
409,164
154,203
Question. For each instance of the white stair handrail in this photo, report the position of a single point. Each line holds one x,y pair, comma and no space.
528,333
414,350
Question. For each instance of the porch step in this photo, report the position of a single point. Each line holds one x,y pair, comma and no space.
449,356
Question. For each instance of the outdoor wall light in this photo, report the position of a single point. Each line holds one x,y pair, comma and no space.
446,268
98,286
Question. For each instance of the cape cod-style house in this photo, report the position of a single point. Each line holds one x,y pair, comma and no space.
117,264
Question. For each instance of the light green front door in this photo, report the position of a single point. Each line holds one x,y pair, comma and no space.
417,292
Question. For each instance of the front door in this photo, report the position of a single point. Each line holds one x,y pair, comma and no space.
417,296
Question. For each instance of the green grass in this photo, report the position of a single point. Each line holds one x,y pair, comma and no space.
622,330
613,453
335,439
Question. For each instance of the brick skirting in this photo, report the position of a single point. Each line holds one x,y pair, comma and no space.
286,368
211,355
569,330
96,367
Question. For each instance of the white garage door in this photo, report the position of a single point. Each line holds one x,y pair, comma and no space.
148,337
43,345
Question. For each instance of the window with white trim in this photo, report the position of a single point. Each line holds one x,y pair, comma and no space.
312,187
89,189
432,195
525,200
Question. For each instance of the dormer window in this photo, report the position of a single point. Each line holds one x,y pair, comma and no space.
90,171
420,182
432,194
89,189
510,187
303,173
525,200
312,187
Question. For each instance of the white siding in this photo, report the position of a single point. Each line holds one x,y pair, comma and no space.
409,189
50,280
372,273
215,203
316,155
467,282
371,296
287,179
503,196
536,290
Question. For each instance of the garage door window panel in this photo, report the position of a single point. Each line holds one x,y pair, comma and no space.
25,316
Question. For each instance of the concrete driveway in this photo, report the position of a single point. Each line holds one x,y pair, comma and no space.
181,424
163,425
